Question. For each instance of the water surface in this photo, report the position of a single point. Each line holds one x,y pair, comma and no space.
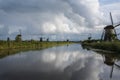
59,63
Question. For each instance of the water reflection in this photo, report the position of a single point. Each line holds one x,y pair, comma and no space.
58,63
110,59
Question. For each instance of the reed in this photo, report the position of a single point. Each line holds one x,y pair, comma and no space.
12,47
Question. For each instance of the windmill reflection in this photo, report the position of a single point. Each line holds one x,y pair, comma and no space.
110,59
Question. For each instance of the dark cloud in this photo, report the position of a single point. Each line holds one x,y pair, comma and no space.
31,5
48,17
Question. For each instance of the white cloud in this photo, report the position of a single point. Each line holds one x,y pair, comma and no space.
115,9
66,17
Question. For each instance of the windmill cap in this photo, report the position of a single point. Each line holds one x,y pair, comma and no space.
19,35
109,63
109,27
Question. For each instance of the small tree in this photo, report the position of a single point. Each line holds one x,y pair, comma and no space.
8,40
47,40
41,39
89,38
67,40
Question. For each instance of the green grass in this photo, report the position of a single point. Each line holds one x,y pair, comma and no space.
13,47
110,46
26,44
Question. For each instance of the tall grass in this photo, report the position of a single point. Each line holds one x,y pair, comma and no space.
111,46
12,47
28,44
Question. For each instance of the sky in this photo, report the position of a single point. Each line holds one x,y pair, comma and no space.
57,19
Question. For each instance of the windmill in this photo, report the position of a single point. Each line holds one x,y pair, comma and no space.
109,32
18,38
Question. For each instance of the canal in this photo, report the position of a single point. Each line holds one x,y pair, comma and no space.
69,62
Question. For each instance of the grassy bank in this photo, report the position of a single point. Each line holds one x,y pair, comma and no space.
110,46
12,47
29,44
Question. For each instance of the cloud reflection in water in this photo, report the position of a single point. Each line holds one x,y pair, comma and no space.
58,63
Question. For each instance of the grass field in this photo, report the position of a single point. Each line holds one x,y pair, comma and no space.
12,47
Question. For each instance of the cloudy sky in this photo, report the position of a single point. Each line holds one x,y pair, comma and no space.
58,19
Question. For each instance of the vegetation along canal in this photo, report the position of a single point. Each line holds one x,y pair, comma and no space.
69,62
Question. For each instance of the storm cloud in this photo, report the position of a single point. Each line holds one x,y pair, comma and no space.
50,16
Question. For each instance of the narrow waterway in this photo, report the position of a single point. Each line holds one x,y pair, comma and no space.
70,62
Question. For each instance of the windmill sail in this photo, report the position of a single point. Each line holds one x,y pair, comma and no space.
102,35
111,71
115,34
111,18
117,25
118,66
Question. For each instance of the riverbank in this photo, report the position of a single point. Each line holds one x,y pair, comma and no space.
109,46
30,44
8,48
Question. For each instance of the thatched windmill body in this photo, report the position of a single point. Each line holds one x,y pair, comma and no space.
109,32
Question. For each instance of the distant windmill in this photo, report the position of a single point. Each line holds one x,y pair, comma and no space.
109,32
89,37
18,38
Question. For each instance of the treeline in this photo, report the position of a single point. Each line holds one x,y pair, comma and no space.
19,43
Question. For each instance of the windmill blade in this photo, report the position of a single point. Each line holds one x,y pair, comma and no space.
102,35
111,73
115,34
118,66
117,25
20,31
118,34
111,18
